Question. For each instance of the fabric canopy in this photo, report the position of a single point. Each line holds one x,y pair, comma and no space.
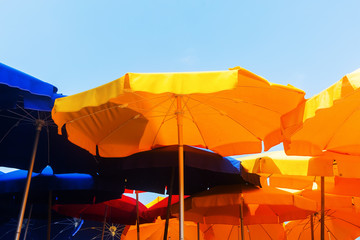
16,85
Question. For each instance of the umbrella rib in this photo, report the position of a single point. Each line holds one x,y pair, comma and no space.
26,112
330,232
194,121
225,114
19,116
163,121
121,125
265,231
8,132
232,227
248,231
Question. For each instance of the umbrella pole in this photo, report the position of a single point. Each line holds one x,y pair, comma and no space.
322,207
39,124
49,216
179,115
137,215
198,231
169,203
28,222
242,217
312,226
103,229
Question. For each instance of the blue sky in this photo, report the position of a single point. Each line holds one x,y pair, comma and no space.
78,45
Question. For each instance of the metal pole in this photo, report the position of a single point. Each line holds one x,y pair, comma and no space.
28,222
169,203
137,215
312,226
198,231
103,230
39,124
49,216
179,114
322,208
242,217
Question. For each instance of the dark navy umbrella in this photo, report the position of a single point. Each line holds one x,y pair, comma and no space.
27,131
158,168
153,170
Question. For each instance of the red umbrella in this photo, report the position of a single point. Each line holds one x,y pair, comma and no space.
122,211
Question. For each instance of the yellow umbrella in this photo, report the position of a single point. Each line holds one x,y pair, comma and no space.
295,172
326,123
230,112
338,225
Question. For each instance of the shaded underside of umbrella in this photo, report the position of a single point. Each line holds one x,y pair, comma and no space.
339,224
155,231
222,205
17,133
232,232
203,170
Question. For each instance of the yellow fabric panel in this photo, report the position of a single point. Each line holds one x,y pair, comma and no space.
90,98
279,163
155,201
183,83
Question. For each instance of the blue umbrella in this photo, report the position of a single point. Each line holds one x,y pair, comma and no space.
25,105
47,188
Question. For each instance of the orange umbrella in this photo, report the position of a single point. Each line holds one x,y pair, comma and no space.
231,232
230,112
155,231
326,123
227,205
338,225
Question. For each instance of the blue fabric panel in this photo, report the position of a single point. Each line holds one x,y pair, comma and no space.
34,93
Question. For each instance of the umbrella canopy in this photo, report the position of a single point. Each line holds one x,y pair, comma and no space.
295,172
155,231
138,112
25,102
122,211
66,188
203,170
230,112
332,114
338,225
221,205
206,232
16,87
231,232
